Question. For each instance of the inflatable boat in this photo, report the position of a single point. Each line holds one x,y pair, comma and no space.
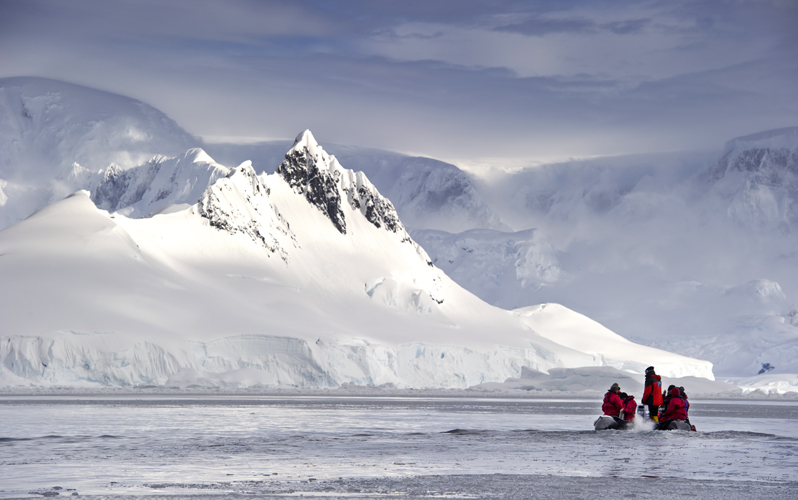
674,425
606,422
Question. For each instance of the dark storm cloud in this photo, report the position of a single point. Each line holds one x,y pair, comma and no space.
468,78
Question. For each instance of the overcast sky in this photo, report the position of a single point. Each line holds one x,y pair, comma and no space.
456,80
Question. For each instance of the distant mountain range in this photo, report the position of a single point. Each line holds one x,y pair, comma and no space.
693,252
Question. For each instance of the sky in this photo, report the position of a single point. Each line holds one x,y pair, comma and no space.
497,82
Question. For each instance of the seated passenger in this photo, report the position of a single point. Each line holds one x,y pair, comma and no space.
686,407
612,402
675,409
686,403
666,398
629,406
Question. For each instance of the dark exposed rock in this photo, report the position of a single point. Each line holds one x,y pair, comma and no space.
377,210
301,171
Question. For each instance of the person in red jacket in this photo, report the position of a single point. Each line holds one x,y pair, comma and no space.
686,407
675,409
612,402
629,406
652,395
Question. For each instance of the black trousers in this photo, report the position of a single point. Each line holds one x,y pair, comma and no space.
653,410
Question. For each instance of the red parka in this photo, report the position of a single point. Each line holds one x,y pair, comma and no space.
612,404
652,395
675,409
629,408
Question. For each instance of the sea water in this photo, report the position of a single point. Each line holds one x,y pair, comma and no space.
117,446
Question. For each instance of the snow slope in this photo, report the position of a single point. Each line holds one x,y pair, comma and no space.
305,277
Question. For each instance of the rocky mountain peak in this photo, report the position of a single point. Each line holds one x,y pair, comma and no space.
310,171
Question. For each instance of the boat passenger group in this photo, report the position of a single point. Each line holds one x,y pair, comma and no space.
668,410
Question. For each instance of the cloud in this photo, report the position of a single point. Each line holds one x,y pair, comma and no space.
628,27
467,79
540,27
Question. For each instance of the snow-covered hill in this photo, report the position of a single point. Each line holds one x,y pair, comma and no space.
305,277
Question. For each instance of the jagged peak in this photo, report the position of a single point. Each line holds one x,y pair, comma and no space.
306,144
306,137
305,140
313,173
245,173
310,171
198,155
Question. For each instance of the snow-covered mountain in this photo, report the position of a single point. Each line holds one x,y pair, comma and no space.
758,177
304,277
667,249
499,267
54,134
427,193
693,253
159,183
57,137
